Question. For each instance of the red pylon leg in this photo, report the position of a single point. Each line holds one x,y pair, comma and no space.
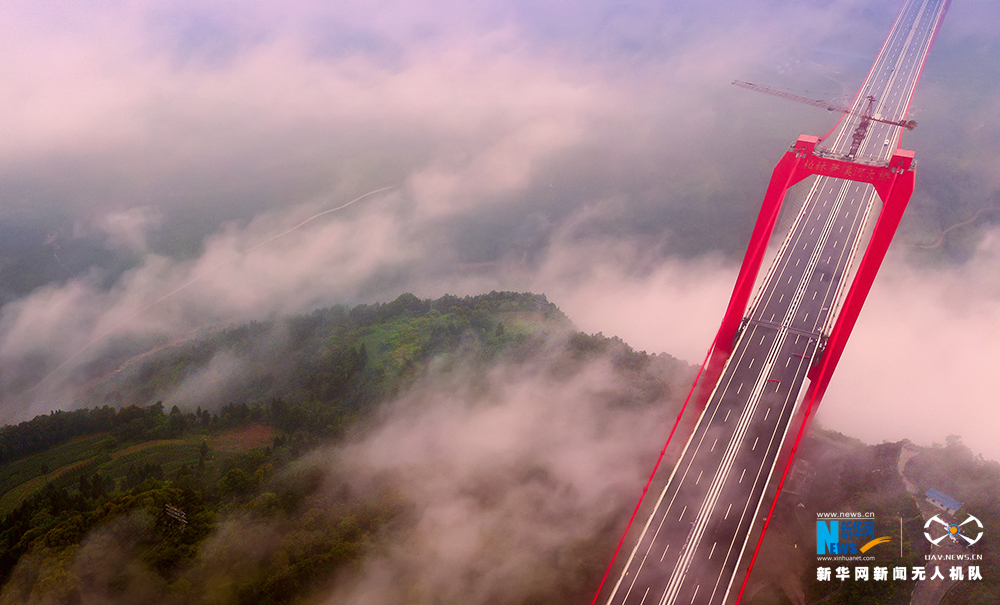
895,196
722,347
895,191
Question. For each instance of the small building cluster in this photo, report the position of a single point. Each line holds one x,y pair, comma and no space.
943,501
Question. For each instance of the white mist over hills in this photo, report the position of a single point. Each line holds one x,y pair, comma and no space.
594,153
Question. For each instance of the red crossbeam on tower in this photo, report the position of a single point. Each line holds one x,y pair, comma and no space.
894,183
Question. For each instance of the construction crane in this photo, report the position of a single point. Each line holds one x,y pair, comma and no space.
907,124
862,129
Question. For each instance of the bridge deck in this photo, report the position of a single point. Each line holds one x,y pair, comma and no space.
694,540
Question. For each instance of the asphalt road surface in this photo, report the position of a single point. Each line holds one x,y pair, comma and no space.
689,549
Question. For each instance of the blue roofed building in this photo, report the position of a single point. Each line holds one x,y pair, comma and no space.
943,501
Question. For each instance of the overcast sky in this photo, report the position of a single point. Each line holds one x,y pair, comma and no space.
591,151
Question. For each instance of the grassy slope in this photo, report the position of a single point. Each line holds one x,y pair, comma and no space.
99,454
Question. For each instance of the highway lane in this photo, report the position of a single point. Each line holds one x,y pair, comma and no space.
691,546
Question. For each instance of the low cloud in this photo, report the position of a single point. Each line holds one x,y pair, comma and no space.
920,363
129,228
211,383
56,331
597,155
513,477
103,570
507,482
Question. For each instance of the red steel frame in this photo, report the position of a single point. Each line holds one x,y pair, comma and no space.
894,184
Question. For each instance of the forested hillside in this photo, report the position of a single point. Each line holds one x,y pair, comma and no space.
311,372
131,501
460,450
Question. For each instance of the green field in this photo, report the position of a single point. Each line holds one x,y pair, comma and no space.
96,454
48,462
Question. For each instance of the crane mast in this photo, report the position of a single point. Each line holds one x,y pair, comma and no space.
862,129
